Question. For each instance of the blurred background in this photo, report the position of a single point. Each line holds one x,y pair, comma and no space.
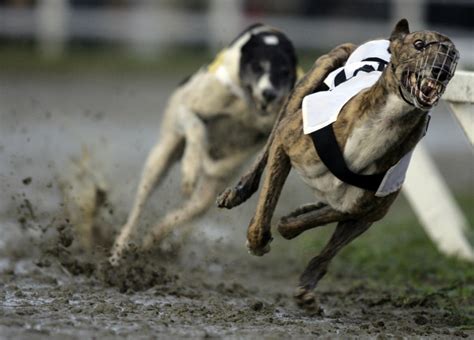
147,28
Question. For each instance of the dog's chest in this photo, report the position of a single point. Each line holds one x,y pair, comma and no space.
371,139
366,143
227,135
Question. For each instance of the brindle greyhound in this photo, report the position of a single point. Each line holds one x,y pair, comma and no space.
374,130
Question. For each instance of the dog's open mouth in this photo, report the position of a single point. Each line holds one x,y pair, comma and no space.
264,108
426,76
425,92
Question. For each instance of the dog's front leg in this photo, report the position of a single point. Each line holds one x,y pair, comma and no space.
195,149
258,233
201,199
158,162
247,185
222,168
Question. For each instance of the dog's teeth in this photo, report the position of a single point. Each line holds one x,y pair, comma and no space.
413,79
421,85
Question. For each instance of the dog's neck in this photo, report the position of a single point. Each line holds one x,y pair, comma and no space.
384,103
382,121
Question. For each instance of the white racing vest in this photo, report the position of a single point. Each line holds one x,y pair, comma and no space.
362,69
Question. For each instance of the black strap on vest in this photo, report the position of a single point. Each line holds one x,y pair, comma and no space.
330,153
341,76
382,63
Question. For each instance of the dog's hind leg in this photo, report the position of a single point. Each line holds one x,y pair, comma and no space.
345,232
158,162
258,233
305,208
308,217
201,199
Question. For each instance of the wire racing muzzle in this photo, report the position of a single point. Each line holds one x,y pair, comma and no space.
425,77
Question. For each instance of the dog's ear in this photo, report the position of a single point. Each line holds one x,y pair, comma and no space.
401,29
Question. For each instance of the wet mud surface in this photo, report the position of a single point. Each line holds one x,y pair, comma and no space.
203,290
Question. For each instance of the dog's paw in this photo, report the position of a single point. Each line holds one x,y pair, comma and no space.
149,242
306,299
114,259
117,254
258,250
227,199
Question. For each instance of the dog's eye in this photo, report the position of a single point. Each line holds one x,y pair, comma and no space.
419,44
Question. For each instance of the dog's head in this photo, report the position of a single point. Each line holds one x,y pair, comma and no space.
423,63
267,69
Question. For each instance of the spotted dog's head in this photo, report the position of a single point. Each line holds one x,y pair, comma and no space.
267,69
423,63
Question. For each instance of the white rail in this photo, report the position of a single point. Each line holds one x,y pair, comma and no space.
426,190
148,26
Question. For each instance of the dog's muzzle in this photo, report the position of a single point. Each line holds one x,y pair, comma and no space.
267,101
425,77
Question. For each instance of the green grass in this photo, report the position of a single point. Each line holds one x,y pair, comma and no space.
25,58
102,60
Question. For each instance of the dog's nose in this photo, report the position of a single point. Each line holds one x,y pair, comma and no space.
269,95
440,73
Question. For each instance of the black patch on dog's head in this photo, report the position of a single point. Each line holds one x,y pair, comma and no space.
281,56
267,68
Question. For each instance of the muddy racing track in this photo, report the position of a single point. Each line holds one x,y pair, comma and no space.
202,283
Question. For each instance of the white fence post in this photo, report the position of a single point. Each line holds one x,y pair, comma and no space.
52,30
460,96
144,28
427,192
225,21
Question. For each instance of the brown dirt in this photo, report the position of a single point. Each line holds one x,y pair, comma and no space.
198,289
